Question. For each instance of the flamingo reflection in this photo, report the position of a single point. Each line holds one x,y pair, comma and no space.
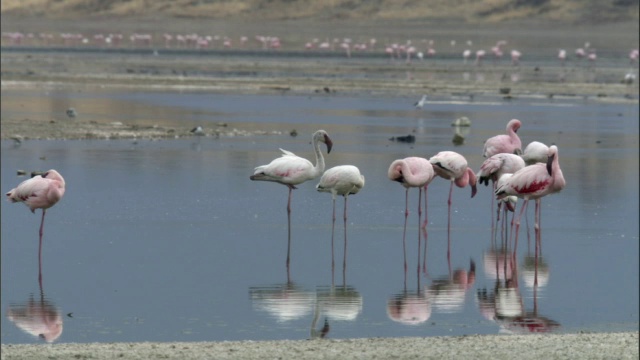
38,317
284,302
505,305
448,294
410,307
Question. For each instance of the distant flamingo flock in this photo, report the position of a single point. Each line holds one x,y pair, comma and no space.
405,51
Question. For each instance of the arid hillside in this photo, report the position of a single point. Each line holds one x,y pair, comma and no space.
473,11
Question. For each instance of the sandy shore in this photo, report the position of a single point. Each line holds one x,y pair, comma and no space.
561,346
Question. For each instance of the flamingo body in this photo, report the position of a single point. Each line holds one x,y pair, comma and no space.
452,166
341,180
505,143
535,152
39,192
499,164
290,169
535,181
411,172
509,201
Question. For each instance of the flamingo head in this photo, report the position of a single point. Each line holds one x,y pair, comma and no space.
322,136
514,125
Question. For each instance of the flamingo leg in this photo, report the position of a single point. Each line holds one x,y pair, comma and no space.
493,200
344,259
425,207
524,206
333,226
289,229
424,257
449,223
419,234
404,232
40,248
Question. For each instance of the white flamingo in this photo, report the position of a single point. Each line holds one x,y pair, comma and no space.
291,170
343,180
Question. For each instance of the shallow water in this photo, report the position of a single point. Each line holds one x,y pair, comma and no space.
170,240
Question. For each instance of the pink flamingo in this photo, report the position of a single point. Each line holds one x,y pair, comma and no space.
507,143
633,56
466,55
562,55
515,57
291,170
452,166
341,180
534,182
39,192
499,164
494,167
412,172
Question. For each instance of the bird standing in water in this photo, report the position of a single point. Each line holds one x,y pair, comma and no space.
341,180
39,192
291,170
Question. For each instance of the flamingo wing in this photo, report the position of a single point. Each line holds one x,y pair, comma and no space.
530,182
30,191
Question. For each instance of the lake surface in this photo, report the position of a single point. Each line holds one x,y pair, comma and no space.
170,241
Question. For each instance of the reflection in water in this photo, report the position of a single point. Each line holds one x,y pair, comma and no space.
40,318
448,294
505,305
341,303
529,273
409,307
284,302
37,317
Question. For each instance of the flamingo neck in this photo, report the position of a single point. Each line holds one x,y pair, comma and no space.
319,167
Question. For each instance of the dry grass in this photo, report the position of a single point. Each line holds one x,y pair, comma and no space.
573,11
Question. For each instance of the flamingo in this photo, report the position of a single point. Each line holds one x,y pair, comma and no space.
515,57
341,180
534,182
452,166
420,103
506,143
291,170
497,165
535,152
39,192
412,172
493,168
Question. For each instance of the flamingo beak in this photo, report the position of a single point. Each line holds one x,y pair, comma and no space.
329,143
510,206
474,190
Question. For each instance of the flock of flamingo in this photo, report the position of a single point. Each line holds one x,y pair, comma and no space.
406,50
529,175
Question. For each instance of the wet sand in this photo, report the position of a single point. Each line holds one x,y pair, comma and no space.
563,346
